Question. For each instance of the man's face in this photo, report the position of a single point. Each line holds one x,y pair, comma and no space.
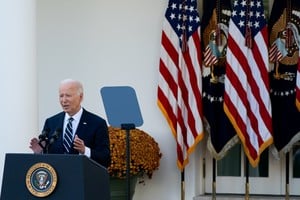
69,98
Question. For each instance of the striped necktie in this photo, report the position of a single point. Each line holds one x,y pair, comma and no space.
68,137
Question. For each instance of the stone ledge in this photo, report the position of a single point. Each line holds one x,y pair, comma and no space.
241,197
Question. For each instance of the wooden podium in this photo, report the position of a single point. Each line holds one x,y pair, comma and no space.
53,177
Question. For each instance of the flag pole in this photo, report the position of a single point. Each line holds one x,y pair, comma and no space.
182,185
247,179
287,175
214,180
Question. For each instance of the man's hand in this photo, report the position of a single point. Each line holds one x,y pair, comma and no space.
79,145
35,146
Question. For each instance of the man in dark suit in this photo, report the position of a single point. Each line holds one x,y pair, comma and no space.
89,133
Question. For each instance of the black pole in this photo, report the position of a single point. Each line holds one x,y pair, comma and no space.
127,128
287,175
247,178
182,185
247,170
287,171
214,180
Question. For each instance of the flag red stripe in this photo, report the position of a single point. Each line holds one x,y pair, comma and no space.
238,121
170,49
163,99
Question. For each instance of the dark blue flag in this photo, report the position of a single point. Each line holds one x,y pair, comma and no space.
284,29
214,27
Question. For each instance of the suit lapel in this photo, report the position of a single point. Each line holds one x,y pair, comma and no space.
82,124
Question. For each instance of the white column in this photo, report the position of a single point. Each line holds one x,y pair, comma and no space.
18,77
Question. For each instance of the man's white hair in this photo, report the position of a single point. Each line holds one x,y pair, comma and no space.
77,83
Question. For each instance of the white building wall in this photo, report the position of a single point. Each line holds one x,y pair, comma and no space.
101,43
108,43
18,82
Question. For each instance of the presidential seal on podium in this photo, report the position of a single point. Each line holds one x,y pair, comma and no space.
41,179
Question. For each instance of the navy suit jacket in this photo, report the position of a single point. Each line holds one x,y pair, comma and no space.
92,129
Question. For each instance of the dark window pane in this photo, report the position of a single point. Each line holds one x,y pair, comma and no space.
296,161
230,165
262,170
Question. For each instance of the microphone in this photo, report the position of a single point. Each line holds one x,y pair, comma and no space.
55,136
43,138
43,135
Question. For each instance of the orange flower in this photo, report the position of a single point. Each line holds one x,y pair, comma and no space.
144,153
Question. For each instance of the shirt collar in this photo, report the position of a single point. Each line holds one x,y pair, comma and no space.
76,117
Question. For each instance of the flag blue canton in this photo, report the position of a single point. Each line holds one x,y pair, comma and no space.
251,13
183,17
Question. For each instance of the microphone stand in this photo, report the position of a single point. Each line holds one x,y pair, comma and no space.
45,146
43,140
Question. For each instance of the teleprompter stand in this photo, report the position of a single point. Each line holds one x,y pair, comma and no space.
122,110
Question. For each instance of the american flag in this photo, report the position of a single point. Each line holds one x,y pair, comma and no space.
179,84
246,99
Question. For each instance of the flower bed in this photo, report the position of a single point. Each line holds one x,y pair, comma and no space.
144,153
